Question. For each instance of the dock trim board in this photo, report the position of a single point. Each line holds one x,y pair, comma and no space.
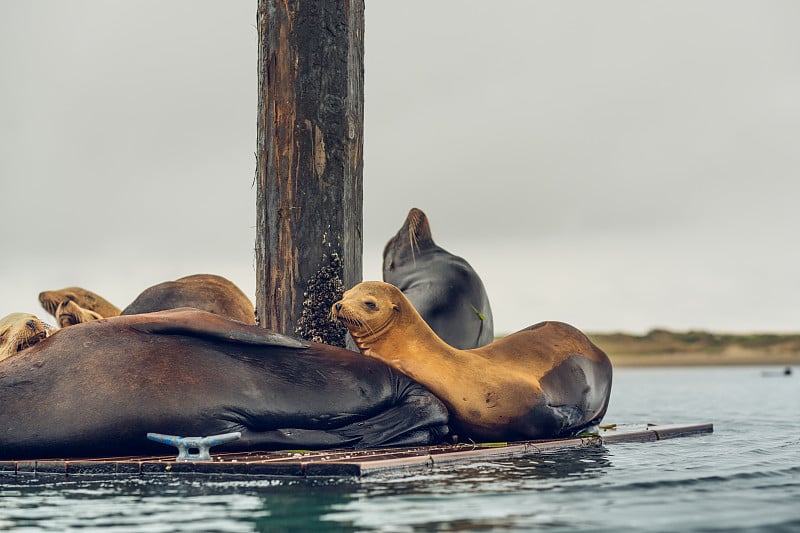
344,463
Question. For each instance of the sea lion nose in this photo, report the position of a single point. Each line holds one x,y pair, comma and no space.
31,324
338,306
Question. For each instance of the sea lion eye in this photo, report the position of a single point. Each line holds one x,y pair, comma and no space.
371,305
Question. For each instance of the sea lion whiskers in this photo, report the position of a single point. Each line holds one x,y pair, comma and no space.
50,304
412,240
345,318
363,329
417,225
27,342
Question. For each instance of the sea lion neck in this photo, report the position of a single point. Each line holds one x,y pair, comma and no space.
408,343
407,328
370,335
384,325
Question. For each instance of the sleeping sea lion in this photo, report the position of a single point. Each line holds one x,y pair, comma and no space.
19,331
84,298
96,389
443,287
207,292
548,380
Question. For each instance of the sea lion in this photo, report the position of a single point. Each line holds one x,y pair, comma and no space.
68,313
96,389
19,331
208,292
84,298
548,380
443,287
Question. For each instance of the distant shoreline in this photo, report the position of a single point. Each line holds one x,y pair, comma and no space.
699,348
748,358
666,348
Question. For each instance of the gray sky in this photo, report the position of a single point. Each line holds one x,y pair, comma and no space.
618,165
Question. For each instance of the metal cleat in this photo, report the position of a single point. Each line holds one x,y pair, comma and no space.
186,445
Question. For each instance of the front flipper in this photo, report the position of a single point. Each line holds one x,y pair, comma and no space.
419,419
576,393
195,323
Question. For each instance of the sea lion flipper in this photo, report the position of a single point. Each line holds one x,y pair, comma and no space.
415,418
196,323
420,419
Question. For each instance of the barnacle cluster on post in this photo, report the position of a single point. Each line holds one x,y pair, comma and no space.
323,289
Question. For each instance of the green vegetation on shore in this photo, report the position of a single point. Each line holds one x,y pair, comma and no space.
660,342
661,347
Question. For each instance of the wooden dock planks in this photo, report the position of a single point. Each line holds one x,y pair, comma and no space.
341,463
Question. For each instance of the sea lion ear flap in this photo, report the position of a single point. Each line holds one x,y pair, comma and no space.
396,307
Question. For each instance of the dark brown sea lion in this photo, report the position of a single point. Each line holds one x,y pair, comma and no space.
19,331
84,298
443,287
548,380
207,292
96,389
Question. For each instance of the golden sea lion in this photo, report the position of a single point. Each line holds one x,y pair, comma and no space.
85,299
19,331
547,380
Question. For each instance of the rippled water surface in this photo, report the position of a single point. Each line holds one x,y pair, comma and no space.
743,477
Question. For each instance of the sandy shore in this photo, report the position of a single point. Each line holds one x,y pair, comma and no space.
727,357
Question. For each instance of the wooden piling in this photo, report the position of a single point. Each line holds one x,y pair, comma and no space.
308,163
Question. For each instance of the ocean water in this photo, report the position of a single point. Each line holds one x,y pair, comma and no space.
743,477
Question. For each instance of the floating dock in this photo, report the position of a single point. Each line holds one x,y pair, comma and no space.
341,463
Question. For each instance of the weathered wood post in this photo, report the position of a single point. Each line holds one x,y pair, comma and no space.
308,162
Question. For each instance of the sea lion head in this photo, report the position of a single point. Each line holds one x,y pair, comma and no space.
19,331
369,309
410,241
85,299
68,313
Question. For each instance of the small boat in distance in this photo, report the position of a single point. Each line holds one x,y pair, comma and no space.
787,371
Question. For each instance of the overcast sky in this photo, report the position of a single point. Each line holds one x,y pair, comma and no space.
618,165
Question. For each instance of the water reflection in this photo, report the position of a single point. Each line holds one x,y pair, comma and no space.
170,504
485,495
546,469
223,504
